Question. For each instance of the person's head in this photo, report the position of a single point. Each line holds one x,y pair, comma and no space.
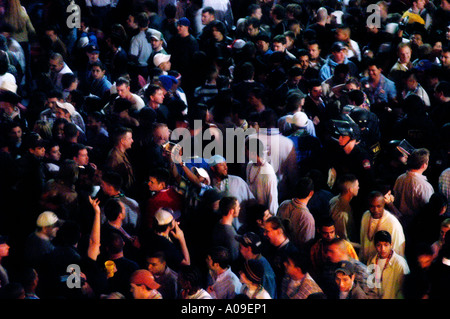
160,133
424,255
419,4
278,13
336,250
304,188
142,20
155,94
296,265
162,61
314,50
156,40
52,151
345,276
342,33
442,91
383,243
158,179
36,146
156,263
183,25
123,138
279,43
56,62
68,172
69,82
348,184
419,159
111,183
48,224
416,38
164,221
250,245
445,56
404,53
444,227
275,230
80,154
255,11
218,166
123,87
326,228
218,259
29,279
252,272
114,210
315,89
218,30
229,206
98,70
208,15
252,26
338,52
4,247
189,279
376,204
374,69
142,283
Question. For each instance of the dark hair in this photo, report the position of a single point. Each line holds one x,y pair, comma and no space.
160,174
443,87
304,187
122,80
252,21
68,172
345,179
158,254
112,178
226,204
120,133
325,221
299,259
280,223
280,38
67,79
142,19
112,209
76,148
279,11
220,255
114,243
151,89
192,275
382,236
209,10
4,64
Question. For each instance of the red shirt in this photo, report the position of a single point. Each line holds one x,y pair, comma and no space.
165,198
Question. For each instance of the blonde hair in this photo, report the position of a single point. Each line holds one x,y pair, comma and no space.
14,15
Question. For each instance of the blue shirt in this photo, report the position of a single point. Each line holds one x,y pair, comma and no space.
383,92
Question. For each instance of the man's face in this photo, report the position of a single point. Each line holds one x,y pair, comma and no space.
4,250
420,4
237,209
374,72
156,44
161,135
130,22
138,291
271,233
97,73
51,103
83,158
445,58
55,66
93,56
157,97
376,207
344,140
182,29
221,170
316,92
245,251
262,46
417,39
39,152
207,18
123,91
344,282
290,268
304,62
354,189
155,266
257,14
327,233
411,83
61,114
127,140
278,47
314,51
339,56
342,35
425,261
54,153
383,249
16,133
404,55
252,31
154,185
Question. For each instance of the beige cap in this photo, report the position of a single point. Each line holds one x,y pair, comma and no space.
299,119
47,219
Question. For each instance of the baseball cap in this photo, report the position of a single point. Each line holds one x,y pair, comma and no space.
299,119
66,106
92,49
46,219
346,267
337,46
216,159
144,277
164,216
249,239
184,21
156,34
202,172
9,96
160,58
238,44
167,81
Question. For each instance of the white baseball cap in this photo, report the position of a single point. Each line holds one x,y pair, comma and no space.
46,219
299,119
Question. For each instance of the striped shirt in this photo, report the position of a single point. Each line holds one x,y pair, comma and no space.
224,286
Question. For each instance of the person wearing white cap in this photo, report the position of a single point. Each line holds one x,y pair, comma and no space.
168,237
157,42
162,61
39,243
307,147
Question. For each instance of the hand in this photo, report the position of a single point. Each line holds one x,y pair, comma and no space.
177,233
95,202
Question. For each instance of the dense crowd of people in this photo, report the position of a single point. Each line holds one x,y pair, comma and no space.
342,188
